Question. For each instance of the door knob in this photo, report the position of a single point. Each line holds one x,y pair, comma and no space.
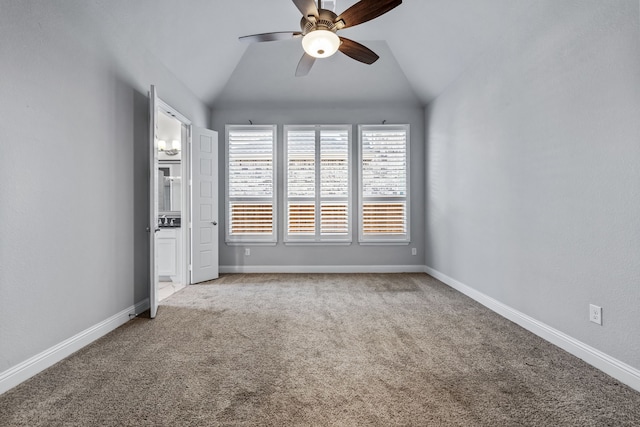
214,222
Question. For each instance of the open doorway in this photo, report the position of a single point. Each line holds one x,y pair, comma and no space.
183,200
171,240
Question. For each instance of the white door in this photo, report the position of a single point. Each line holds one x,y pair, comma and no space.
204,205
153,203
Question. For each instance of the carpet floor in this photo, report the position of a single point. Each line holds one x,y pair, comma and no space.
321,350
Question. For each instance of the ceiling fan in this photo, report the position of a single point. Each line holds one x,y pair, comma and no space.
319,27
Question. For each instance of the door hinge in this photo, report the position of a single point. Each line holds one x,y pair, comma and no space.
189,267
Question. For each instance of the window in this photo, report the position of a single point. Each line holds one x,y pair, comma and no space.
318,184
251,190
384,184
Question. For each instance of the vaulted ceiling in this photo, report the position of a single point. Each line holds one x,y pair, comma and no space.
424,45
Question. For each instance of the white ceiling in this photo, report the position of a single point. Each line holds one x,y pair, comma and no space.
424,45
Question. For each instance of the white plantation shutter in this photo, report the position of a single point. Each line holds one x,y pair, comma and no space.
301,164
384,185
250,185
318,183
334,182
334,219
301,182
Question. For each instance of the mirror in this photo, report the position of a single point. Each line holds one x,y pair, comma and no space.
169,187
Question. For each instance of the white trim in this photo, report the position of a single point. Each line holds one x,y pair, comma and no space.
251,239
619,370
166,108
186,214
322,269
383,243
38,363
393,239
317,200
317,243
251,243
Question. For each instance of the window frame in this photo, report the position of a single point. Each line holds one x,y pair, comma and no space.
272,238
384,239
318,237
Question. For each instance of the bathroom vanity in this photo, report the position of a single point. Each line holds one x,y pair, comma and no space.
168,253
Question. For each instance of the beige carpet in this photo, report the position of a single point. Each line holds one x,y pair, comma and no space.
321,350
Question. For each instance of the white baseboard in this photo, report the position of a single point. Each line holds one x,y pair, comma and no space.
619,370
321,269
38,363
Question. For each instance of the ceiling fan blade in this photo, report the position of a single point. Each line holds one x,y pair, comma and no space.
306,7
357,51
270,37
366,10
305,64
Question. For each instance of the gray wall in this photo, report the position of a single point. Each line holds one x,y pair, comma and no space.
73,172
353,255
533,183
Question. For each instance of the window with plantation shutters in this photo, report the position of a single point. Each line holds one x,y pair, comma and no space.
251,191
384,183
318,184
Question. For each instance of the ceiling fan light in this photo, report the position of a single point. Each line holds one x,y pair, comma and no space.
321,43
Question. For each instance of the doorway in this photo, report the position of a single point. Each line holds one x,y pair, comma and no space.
183,202
171,240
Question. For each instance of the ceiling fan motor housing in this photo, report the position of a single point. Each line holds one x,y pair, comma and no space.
324,21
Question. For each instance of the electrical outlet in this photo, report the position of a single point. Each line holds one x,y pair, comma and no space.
247,251
595,314
414,251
